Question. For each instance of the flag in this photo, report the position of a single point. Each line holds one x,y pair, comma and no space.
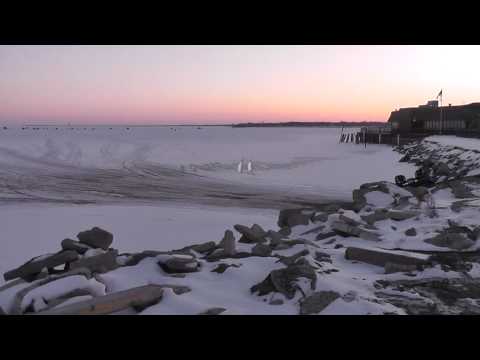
440,94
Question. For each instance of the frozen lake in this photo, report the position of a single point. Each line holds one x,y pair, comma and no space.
167,187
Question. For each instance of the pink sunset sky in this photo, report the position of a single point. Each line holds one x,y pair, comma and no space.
228,84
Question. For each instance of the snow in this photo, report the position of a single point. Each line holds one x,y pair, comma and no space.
448,140
28,231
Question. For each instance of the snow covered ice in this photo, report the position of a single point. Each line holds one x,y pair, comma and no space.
327,260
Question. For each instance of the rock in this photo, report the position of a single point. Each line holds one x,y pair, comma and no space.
35,266
253,235
276,302
338,246
17,308
320,217
221,268
96,238
139,298
381,257
275,237
317,302
177,264
228,243
261,250
391,268
323,236
219,254
446,296
441,169
411,232
344,229
285,231
101,263
401,215
314,230
322,257
378,215
213,311
290,260
136,258
292,217
460,190
205,247
348,221
283,280
69,244
451,240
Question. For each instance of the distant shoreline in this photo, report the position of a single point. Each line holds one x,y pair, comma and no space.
239,125
312,124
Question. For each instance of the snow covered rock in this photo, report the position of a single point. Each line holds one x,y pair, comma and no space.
344,229
213,311
100,263
316,302
138,298
69,244
254,234
283,280
450,240
228,243
293,217
96,238
381,257
175,264
36,265
261,250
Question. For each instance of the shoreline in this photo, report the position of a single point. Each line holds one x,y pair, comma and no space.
392,250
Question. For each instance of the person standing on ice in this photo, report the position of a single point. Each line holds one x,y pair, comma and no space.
240,166
250,167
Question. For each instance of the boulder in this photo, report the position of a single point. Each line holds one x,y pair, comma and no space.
411,232
251,235
377,215
101,263
401,215
274,237
317,302
96,238
320,217
36,265
380,257
290,260
138,298
344,229
322,257
315,230
441,169
213,311
454,241
221,268
204,247
323,236
261,250
391,268
69,244
285,231
179,264
228,243
283,280
460,190
293,217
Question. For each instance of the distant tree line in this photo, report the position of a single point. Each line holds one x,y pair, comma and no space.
313,124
